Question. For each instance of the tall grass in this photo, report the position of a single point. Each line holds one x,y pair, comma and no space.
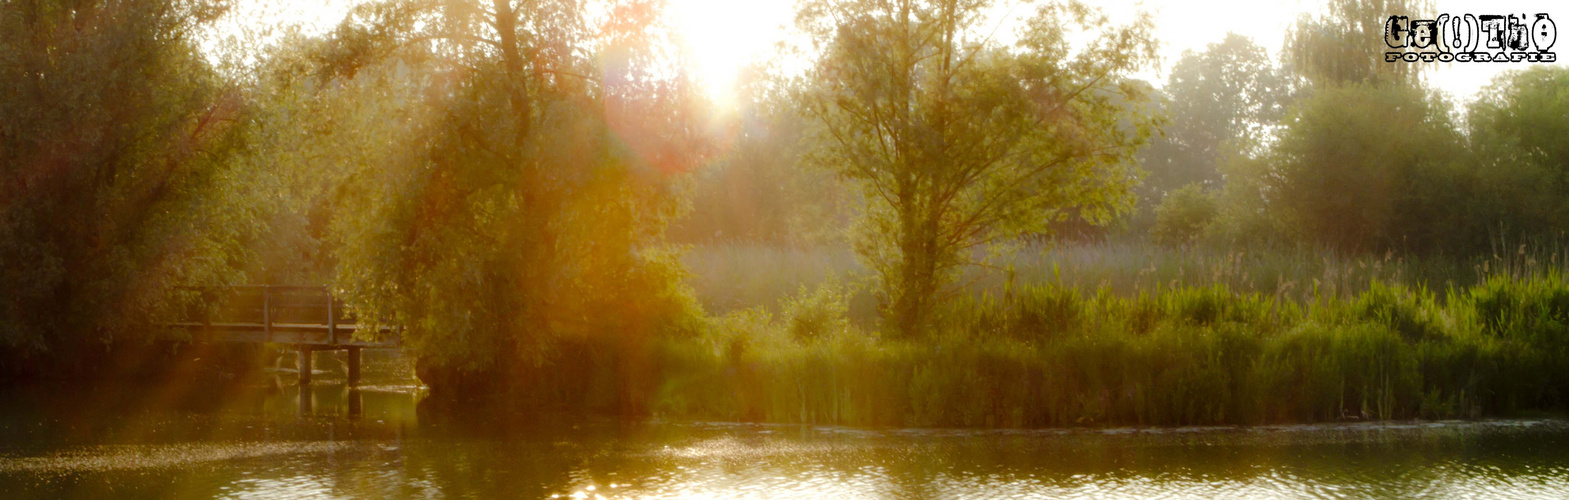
1048,356
1125,334
733,277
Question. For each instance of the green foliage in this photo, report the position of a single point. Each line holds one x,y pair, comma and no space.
1219,103
1184,215
1520,120
1207,357
957,142
521,204
1370,168
1522,173
1535,311
819,313
1344,44
1045,312
758,192
1406,312
1359,371
116,184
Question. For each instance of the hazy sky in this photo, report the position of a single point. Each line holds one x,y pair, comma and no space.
722,36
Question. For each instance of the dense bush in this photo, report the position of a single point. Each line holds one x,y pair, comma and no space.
1184,215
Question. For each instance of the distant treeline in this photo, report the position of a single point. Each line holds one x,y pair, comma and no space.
1251,151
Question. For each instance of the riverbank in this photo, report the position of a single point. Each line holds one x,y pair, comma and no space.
1043,356
1028,355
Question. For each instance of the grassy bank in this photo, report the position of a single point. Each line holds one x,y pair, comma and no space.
1048,356
1122,334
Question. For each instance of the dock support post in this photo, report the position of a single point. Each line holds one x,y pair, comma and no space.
354,366
356,403
267,311
304,362
307,404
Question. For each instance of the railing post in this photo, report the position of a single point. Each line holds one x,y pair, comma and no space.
267,310
332,320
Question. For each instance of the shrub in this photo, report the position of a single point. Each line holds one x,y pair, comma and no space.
817,313
1183,215
1330,372
1401,309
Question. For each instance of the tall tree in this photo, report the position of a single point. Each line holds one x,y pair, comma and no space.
524,197
1523,118
958,141
114,139
758,190
1517,128
1345,43
1370,168
1219,102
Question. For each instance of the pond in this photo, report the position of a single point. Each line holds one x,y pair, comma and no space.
268,439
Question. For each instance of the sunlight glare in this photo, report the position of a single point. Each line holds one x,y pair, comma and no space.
723,37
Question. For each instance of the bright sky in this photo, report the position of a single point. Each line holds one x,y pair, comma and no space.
723,36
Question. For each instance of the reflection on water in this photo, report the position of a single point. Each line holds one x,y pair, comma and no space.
271,439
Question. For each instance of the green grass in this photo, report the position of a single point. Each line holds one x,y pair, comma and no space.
1049,356
733,277
1122,334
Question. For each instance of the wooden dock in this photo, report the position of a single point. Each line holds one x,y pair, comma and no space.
308,317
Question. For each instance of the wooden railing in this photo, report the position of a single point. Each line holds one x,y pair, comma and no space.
279,314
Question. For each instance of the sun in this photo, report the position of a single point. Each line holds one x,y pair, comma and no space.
722,37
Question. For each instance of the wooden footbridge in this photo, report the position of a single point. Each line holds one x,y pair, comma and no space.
308,317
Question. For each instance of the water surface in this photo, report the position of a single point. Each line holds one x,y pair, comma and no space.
264,440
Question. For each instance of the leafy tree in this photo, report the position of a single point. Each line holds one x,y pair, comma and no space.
522,199
1368,168
1520,183
1345,44
1219,102
114,181
1369,159
957,141
1521,120
1244,214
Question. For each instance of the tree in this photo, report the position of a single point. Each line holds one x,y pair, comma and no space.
115,136
1521,119
1345,45
757,191
958,141
1219,102
1516,128
1370,168
522,200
